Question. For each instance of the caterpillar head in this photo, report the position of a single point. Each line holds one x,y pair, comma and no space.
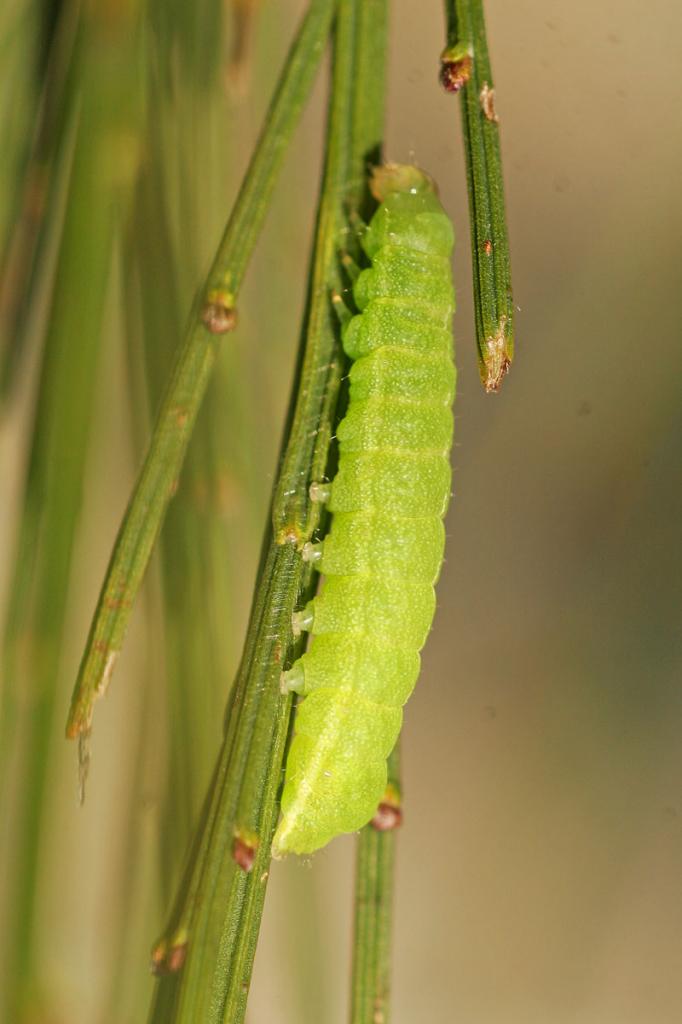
389,178
409,214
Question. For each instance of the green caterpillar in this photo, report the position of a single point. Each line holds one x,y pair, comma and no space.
383,553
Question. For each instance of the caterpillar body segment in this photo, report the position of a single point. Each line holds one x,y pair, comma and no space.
384,550
412,485
378,543
322,767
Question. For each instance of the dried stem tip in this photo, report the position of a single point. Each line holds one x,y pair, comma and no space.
487,98
495,360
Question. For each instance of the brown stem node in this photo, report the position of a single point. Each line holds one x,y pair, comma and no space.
244,852
218,318
454,74
388,814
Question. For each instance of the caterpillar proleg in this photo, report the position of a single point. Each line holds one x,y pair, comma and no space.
384,550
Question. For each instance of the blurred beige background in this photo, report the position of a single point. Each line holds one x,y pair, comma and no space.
539,864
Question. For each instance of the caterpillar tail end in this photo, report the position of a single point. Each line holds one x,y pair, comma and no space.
284,840
292,837
279,848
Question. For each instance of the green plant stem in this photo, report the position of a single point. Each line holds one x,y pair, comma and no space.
369,101
219,911
374,881
196,358
374,877
35,205
493,302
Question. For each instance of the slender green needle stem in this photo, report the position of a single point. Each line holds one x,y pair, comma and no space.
217,921
376,843
374,880
466,67
214,314
370,95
